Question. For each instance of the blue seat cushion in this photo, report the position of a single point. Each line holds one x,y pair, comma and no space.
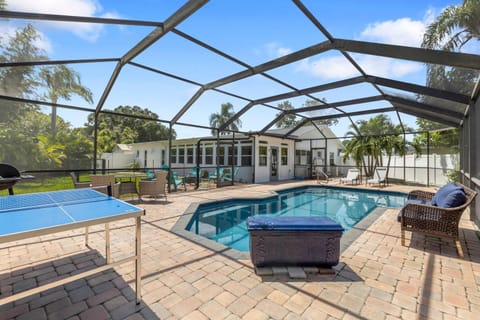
456,198
444,191
414,201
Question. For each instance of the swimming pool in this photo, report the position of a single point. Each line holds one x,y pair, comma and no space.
225,221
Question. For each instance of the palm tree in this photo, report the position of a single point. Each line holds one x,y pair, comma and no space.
454,27
372,139
61,82
219,119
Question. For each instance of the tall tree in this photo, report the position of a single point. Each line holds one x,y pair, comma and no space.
218,119
289,119
132,126
61,82
18,81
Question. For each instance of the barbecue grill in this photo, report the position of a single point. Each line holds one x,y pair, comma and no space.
9,175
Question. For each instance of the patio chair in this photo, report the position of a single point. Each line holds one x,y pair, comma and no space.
154,187
227,176
436,214
77,184
352,176
379,177
177,181
104,181
213,176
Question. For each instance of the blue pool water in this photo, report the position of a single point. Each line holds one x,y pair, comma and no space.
225,221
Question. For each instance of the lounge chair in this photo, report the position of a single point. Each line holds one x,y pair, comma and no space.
77,184
379,177
154,187
101,182
352,176
436,214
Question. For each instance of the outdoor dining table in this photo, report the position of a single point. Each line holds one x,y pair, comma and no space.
128,181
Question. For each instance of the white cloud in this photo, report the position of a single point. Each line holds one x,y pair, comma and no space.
88,8
404,31
327,68
275,50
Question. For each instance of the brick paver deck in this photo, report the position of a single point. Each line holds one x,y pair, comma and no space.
377,278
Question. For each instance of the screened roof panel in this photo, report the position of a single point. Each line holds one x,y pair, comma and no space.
61,40
316,70
254,87
308,54
243,23
393,24
348,92
257,118
207,104
397,69
433,101
160,94
198,64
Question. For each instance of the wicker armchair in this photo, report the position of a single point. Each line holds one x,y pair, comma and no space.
104,181
77,184
155,187
433,220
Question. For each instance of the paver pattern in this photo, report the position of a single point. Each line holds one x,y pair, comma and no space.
376,278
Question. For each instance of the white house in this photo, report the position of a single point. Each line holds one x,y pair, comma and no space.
259,158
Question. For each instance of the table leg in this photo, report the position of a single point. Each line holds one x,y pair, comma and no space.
138,261
107,242
86,236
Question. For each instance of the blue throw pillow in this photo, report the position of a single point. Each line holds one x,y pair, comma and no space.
443,192
454,199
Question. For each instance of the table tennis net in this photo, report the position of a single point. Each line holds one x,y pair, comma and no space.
54,198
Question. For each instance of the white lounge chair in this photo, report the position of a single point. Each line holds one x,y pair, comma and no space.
352,175
379,177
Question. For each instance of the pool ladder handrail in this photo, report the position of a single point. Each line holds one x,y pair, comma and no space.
319,170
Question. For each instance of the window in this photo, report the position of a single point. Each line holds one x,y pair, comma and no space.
246,156
163,157
173,156
231,156
189,154
262,156
284,156
145,158
331,158
302,157
181,154
208,154
221,155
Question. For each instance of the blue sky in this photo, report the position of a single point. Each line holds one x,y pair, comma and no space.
251,31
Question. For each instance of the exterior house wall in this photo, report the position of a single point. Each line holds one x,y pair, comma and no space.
155,155
262,172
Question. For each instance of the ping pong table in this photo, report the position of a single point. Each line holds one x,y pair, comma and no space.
31,215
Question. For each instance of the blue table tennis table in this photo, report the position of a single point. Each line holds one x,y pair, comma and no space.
31,215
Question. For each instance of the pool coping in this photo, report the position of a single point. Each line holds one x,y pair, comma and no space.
346,240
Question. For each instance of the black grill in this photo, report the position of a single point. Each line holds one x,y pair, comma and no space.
9,175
